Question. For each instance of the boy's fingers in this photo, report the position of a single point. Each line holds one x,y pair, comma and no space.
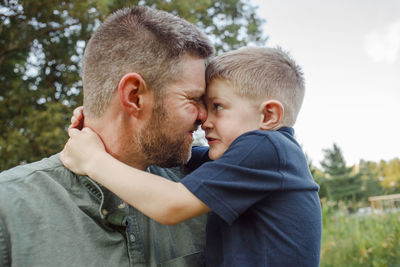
78,112
73,121
87,130
77,118
72,131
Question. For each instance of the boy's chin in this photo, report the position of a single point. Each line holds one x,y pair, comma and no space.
214,155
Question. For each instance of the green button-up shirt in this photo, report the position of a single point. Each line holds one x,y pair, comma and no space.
51,217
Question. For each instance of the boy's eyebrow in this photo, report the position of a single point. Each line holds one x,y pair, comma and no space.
208,99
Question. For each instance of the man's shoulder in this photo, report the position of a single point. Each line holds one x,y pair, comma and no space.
35,187
47,167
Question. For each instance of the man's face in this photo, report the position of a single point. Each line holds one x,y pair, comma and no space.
167,138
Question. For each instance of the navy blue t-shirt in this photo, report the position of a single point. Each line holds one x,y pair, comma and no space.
264,201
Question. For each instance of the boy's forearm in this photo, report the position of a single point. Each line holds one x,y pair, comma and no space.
164,201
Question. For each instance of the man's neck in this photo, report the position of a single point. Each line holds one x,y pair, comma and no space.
118,142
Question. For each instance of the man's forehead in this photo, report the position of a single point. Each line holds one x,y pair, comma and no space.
191,79
186,89
195,91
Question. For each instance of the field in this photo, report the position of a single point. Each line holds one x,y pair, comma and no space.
351,240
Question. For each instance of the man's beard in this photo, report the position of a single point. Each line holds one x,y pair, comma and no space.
159,143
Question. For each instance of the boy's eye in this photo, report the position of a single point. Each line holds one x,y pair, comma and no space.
217,107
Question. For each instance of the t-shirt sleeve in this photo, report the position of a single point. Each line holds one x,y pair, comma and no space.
246,173
198,157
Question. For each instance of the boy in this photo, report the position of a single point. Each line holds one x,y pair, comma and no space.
264,204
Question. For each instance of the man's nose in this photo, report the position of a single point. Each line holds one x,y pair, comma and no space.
202,113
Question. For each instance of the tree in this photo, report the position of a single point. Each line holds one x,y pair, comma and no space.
341,182
390,178
333,163
370,174
41,46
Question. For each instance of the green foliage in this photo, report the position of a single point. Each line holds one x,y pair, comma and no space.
359,241
354,185
339,183
333,163
390,175
370,175
41,46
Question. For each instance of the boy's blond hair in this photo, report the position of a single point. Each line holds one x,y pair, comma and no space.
262,73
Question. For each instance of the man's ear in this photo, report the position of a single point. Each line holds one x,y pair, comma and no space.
130,90
271,114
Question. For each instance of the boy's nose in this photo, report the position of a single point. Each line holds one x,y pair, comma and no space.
206,125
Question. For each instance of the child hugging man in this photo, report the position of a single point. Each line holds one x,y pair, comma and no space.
253,179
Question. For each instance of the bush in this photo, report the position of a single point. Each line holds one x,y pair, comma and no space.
359,240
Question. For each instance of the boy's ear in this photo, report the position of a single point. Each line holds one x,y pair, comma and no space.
271,114
131,88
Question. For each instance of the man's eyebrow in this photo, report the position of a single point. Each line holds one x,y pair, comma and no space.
194,94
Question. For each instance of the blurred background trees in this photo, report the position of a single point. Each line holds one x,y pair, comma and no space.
353,185
41,46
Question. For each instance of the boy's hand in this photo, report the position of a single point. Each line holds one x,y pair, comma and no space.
77,118
82,150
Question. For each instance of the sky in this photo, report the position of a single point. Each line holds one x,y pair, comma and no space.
349,51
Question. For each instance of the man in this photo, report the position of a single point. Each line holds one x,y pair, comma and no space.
143,79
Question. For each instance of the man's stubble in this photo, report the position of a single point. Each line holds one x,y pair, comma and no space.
161,143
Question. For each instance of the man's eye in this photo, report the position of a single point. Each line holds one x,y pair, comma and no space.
197,100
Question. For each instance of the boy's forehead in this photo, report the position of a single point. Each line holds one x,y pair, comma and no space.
216,86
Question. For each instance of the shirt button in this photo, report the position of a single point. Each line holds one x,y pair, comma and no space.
104,212
132,238
122,205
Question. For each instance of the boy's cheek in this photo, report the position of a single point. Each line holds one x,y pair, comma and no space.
215,152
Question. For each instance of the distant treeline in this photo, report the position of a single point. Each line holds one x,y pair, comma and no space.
354,184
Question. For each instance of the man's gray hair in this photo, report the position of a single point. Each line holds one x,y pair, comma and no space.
262,72
147,41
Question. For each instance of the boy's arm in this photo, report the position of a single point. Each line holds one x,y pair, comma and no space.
164,201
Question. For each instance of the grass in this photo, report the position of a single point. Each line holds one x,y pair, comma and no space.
360,240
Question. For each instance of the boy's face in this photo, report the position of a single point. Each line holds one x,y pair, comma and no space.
229,116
